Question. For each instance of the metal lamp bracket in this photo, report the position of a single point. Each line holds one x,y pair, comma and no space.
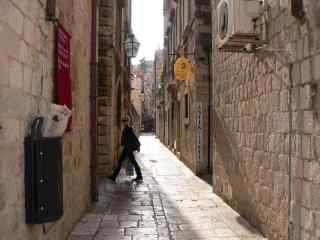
283,55
186,54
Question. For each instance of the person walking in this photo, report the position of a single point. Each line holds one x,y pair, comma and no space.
130,144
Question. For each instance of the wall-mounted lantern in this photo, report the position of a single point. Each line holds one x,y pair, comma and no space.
51,10
297,9
131,46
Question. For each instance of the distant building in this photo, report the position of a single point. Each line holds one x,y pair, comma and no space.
184,105
142,93
158,86
136,90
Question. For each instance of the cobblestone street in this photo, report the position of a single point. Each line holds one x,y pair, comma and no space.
171,204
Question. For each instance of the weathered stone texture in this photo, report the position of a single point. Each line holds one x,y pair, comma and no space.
256,133
26,90
193,32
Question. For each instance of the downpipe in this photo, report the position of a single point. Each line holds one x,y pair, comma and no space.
209,115
93,104
290,204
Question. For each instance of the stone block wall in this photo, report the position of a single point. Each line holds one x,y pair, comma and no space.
195,39
26,90
188,129
266,120
306,125
105,86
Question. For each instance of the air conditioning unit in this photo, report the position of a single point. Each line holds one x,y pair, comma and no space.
235,24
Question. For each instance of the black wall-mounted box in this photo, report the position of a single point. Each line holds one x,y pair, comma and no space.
43,180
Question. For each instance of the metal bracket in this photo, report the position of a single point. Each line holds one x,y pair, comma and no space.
187,54
283,55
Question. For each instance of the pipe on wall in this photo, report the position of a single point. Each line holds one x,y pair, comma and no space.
93,102
209,115
290,185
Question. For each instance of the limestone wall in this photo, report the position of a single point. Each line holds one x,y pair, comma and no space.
105,86
194,34
26,90
266,114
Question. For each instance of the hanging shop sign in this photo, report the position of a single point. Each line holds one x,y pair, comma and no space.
182,69
63,76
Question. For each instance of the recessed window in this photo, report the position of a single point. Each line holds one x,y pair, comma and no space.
172,111
51,10
224,21
187,105
297,8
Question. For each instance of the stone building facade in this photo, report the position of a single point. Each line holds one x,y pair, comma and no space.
136,88
27,88
266,142
26,91
187,27
148,98
158,88
142,92
113,88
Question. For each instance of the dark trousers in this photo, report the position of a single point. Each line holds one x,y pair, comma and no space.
127,153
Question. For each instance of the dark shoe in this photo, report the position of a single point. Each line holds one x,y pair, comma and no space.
111,178
138,179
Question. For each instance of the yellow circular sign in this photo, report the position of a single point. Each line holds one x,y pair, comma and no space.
182,69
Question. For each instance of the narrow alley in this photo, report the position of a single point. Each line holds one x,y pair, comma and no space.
172,203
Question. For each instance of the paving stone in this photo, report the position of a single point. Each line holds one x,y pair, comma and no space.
171,204
112,237
77,237
111,232
129,217
145,237
140,231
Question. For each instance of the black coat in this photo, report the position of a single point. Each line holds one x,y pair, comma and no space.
129,139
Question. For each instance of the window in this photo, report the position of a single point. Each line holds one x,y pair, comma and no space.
51,10
183,15
223,21
186,108
297,8
189,10
186,13
176,30
172,111
180,20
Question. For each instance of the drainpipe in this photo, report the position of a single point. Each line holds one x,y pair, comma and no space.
93,102
155,94
290,183
209,112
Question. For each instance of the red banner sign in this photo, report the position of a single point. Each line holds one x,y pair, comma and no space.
63,81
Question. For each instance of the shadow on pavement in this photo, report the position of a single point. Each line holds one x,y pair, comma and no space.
171,204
